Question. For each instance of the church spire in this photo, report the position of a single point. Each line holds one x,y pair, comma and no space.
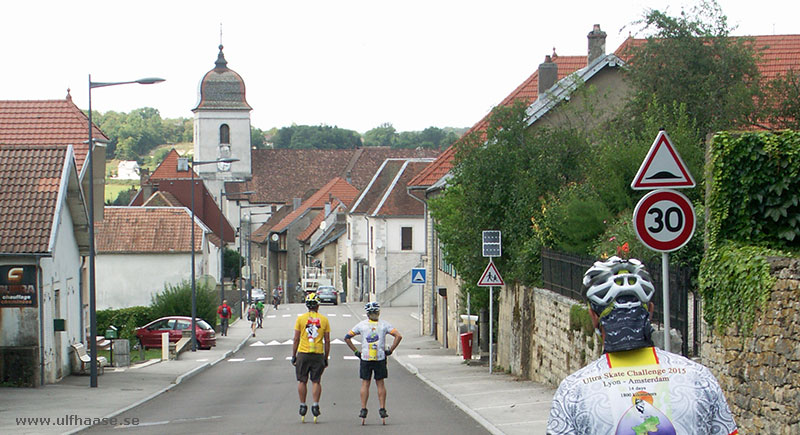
221,63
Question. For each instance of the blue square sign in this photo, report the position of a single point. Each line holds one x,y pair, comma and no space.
418,276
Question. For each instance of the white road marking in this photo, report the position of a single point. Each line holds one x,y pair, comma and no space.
284,315
271,316
258,343
288,358
337,341
416,355
346,315
332,315
351,357
264,358
288,342
236,359
202,360
274,343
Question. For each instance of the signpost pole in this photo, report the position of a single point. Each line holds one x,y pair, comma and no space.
421,290
491,320
665,295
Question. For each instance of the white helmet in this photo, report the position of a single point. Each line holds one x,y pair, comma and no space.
607,280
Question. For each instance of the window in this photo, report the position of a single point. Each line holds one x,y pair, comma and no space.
370,237
406,238
224,134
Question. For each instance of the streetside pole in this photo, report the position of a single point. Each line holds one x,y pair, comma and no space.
665,294
491,320
421,290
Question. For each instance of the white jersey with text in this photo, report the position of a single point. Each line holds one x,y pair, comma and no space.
640,392
374,338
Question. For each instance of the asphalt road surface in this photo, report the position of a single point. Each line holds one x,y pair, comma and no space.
255,392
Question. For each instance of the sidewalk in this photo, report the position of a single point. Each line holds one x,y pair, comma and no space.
70,403
499,402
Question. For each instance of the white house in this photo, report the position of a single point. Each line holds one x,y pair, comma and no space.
140,250
386,236
127,170
44,234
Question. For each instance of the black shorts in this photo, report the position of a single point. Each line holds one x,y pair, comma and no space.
312,364
369,367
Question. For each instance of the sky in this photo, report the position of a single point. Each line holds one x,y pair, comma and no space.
352,64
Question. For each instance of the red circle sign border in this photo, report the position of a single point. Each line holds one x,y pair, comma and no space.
664,195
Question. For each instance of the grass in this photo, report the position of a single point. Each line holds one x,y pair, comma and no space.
148,354
114,187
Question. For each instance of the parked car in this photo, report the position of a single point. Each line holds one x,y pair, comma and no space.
258,295
150,335
327,293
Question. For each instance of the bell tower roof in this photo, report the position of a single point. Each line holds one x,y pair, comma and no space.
221,88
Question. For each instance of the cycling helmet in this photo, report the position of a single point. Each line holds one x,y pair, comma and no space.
372,307
608,280
312,301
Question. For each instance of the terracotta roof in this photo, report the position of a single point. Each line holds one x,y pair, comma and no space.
168,168
779,54
303,236
369,197
146,230
179,192
397,202
46,122
336,188
30,179
162,199
283,174
261,234
527,92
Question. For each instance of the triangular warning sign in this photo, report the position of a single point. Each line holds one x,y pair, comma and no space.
662,168
491,277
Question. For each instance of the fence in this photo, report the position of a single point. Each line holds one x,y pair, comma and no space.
562,273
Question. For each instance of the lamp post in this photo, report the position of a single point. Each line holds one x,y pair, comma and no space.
90,174
191,166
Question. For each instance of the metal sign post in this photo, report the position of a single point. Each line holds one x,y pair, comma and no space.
419,276
664,219
490,278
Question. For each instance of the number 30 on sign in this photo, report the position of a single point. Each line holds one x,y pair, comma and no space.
664,220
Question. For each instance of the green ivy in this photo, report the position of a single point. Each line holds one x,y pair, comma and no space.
735,280
580,320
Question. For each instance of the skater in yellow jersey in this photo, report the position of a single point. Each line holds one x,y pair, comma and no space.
373,355
310,354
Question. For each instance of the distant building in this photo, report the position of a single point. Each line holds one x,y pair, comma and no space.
127,170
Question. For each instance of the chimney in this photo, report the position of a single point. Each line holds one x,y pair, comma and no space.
548,74
348,178
597,44
327,209
296,203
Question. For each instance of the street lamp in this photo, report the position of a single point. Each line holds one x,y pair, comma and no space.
239,229
191,166
90,174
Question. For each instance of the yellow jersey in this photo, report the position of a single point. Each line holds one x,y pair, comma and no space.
312,327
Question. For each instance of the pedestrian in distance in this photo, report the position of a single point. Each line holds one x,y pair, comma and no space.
252,316
276,297
224,311
634,387
372,356
310,349
260,308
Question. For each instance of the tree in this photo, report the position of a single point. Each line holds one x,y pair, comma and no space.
691,59
781,101
382,135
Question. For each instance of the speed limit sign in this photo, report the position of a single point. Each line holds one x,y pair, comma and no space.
664,220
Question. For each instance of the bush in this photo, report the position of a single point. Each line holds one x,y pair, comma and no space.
126,320
176,300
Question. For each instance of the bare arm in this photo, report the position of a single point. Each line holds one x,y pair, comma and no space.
397,338
295,342
327,338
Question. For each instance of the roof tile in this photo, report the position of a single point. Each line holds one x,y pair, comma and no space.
146,230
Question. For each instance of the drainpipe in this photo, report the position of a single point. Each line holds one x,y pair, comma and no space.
41,321
431,256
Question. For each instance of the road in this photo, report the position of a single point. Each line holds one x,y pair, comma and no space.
255,391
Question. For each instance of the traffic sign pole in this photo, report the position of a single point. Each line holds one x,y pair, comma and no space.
665,295
491,321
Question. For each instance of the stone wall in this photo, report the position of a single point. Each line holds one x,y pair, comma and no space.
535,340
760,374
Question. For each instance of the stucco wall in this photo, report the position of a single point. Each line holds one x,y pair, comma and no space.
760,373
128,280
206,141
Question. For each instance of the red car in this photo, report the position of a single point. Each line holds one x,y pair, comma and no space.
150,335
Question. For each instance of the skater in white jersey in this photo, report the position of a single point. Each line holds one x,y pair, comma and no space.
373,355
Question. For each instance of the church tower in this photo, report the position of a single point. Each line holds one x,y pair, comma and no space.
222,125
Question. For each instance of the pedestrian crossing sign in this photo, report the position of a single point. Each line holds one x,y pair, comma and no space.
491,277
418,276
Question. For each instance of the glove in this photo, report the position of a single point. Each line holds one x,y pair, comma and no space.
294,360
357,353
326,362
388,352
